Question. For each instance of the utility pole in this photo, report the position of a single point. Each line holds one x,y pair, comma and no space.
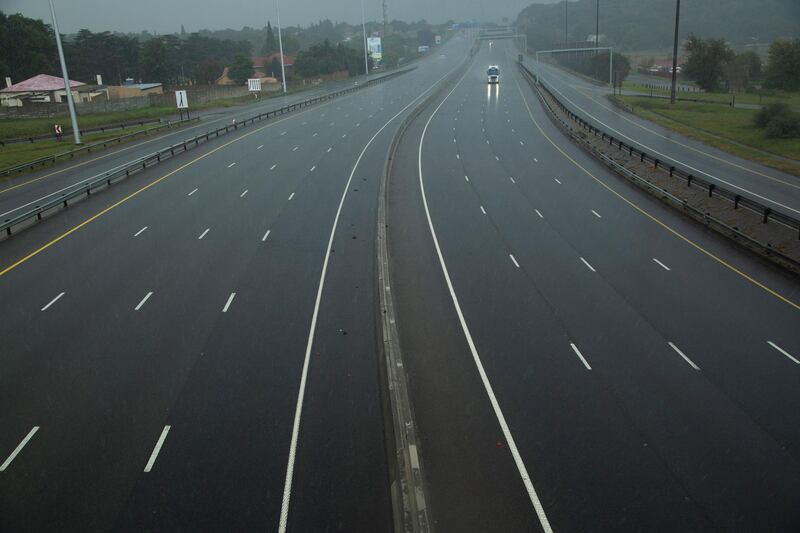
675,54
76,133
385,19
364,30
280,46
597,28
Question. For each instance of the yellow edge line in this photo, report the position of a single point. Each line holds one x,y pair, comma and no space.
651,217
135,193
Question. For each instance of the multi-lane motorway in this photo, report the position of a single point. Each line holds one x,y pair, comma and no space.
195,348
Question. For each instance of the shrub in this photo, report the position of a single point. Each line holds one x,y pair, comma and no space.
784,126
767,113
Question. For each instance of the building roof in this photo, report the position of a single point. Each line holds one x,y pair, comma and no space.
41,82
265,61
142,86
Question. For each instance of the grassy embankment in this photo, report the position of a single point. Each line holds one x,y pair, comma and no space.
726,128
755,98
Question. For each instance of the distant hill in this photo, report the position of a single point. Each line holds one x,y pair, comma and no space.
649,24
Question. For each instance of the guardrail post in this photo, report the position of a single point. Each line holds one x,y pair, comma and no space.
641,157
671,171
711,188
736,201
655,163
689,179
767,212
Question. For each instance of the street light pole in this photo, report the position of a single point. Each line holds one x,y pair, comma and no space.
675,54
76,133
280,46
566,23
364,30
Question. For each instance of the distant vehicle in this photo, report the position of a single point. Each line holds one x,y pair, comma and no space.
493,74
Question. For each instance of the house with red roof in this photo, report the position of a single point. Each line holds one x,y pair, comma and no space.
46,88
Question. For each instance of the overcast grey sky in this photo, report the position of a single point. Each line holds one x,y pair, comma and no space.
165,16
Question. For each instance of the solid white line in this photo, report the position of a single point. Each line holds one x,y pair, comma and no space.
523,472
312,168
483,210
579,354
784,352
596,214
271,168
291,196
259,147
146,297
514,259
557,181
242,195
264,238
150,462
538,213
191,193
203,234
512,179
229,302
54,300
588,265
662,265
232,164
684,356
19,447
287,488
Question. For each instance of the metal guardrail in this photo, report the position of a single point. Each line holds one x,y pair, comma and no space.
53,137
88,148
738,200
108,177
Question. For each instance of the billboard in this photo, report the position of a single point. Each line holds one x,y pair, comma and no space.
375,48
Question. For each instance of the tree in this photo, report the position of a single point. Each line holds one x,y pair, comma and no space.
783,68
275,68
241,69
426,37
27,48
157,61
707,61
270,43
208,70
745,67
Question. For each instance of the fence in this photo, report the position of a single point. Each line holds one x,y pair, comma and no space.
107,178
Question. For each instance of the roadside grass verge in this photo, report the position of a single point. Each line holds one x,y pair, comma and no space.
792,99
723,127
15,154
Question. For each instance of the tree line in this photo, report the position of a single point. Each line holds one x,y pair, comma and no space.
712,64
27,48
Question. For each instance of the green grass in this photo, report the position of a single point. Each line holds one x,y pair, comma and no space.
766,97
15,154
12,128
726,128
